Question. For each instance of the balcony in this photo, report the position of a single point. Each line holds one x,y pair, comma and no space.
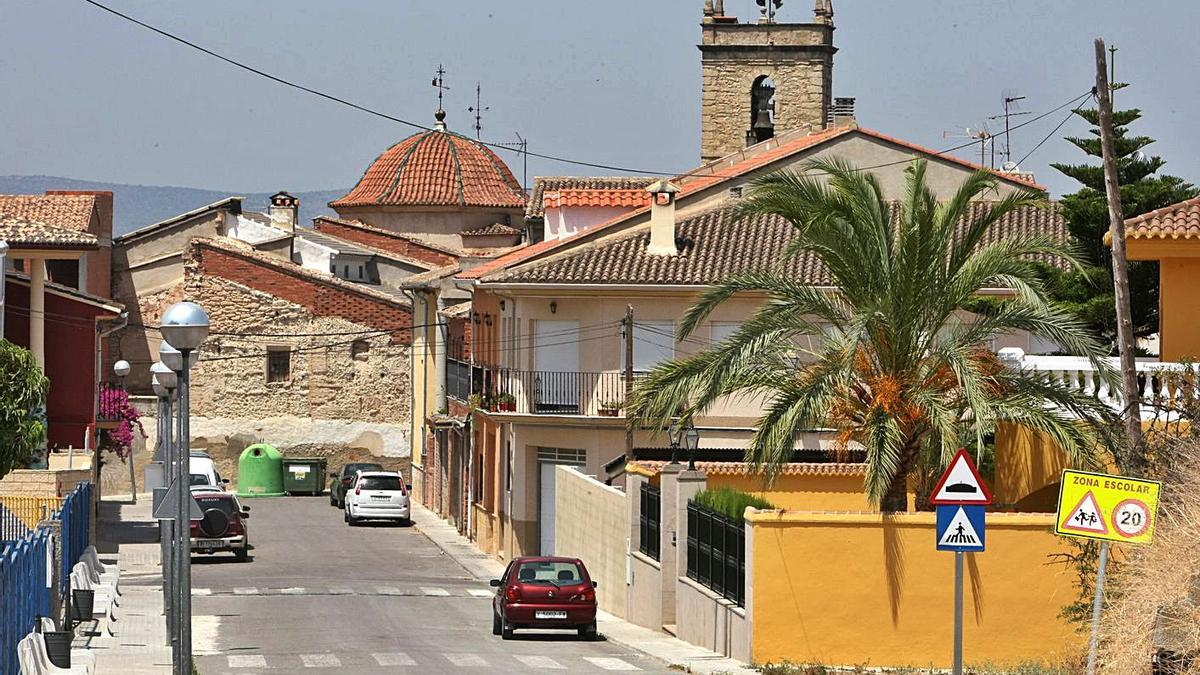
1165,389
111,402
544,392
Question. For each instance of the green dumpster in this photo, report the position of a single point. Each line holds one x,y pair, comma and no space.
304,475
260,472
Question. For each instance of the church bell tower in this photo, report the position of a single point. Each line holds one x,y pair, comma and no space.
762,78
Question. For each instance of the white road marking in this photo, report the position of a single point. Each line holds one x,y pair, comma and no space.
610,663
387,590
439,592
204,634
294,590
544,662
394,659
201,591
481,593
247,661
466,660
245,591
320,661
341,590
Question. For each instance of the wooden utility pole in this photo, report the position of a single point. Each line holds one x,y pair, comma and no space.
628,329
1129,387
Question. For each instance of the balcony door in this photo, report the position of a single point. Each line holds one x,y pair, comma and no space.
556,362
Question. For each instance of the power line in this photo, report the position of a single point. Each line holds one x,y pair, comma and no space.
1052,132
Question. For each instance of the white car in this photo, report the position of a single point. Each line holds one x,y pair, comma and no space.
202,471
377,495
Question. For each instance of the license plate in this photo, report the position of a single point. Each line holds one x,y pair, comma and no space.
209,543
549,615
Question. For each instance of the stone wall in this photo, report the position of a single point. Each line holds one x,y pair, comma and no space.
42,483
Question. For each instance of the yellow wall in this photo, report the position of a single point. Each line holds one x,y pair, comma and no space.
847,589
1180,322
801,492
1028,466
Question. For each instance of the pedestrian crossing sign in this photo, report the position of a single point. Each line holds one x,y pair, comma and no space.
960,527
1112,508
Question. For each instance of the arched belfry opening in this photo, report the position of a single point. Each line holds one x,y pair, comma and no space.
762,110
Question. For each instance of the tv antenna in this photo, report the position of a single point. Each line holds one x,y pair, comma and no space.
522,146
478,109
985,138
1012,101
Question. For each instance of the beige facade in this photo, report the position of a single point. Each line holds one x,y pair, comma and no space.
437,225
592,525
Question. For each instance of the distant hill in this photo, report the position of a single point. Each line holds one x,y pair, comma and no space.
135,206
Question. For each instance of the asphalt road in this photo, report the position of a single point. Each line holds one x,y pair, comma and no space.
320,596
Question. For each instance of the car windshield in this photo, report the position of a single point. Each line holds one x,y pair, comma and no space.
199,479
380,483
557,573
352,468
226,504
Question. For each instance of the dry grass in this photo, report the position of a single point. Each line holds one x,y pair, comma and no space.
1155,606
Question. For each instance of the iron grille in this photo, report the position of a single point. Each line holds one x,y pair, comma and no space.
649,518
716,552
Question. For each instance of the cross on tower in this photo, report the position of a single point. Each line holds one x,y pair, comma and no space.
440,83
478,109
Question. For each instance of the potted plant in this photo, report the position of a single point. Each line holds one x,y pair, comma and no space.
610,408
507,403
475,400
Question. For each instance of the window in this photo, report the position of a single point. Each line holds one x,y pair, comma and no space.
722,330
653,343
359,350
345,271
279,364
550,572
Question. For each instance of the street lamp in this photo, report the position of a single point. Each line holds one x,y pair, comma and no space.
121,368
164,381
184,327
674,433
692,438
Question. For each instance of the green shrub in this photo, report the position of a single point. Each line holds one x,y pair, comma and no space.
729,502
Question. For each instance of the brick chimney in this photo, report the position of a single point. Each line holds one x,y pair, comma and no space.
662,218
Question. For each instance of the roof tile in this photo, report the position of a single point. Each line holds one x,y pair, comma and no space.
1177,221
20,232
545,185
73,212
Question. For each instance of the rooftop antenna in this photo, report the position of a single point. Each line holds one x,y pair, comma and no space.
1011,106
981,134
440,83
478,109
523,146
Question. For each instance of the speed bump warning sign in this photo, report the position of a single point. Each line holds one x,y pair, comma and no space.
1112,508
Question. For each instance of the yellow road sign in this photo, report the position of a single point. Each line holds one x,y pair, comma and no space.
1113,508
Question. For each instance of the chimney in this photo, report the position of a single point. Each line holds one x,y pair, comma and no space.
285,211
662,218
841,113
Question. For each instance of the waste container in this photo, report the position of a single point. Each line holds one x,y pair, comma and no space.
304,475
260,472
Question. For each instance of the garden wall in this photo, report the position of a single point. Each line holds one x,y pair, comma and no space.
591,523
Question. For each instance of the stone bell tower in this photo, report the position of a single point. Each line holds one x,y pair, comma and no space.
762,78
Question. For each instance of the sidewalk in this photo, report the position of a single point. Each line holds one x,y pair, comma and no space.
127,533
659,645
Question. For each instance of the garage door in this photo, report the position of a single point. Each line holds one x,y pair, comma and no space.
548,460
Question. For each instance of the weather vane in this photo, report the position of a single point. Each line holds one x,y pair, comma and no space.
478,109
440,83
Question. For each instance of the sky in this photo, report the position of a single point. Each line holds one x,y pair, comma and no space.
91,96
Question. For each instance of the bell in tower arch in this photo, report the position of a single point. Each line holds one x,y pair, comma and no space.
762,111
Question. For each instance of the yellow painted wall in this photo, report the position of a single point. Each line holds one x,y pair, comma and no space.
847,589
1180,322
1028,466
801,492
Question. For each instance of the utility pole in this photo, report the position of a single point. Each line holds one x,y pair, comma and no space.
1129,388
627,328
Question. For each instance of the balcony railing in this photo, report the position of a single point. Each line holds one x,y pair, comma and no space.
1164,388
545,392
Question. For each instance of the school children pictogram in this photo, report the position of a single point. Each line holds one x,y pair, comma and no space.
1086,517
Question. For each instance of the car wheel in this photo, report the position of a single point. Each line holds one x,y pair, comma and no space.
588,632
405,522
242,554
496,627
506,630
345,514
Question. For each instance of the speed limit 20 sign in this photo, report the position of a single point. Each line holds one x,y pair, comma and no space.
1113,508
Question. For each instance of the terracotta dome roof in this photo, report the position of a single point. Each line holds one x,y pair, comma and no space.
436,168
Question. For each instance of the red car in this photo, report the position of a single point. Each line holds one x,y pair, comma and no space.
223,527
544,592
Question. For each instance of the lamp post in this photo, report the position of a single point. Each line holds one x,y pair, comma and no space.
184,327
164,386
692,438
674,433
121,369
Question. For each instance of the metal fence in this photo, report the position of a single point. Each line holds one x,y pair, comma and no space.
24,592
716,552
75,516
648,519
545,392
20,515
458,379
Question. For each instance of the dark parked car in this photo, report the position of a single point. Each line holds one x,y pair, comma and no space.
544,592
344,480
223,527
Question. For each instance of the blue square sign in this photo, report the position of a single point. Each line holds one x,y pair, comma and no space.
960,527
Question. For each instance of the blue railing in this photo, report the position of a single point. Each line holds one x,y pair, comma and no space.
12,527
24,592
74,515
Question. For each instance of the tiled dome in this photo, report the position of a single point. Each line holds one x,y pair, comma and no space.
436,168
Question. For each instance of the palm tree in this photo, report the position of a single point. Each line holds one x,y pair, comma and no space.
899,370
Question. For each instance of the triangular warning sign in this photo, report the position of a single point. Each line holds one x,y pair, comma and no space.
1086,517
961,484
168,508
961,533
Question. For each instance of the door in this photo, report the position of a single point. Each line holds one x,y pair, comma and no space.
556,362
548,460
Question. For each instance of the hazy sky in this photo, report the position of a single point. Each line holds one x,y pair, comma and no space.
90,96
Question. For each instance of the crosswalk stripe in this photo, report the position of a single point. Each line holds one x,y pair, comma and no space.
481,593
387,590
610,663
341,590
295,590
440,592
466,660
201,591
247,661
320,661
543,662
394,659
245,591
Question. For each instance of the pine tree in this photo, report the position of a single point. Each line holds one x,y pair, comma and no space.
1089,292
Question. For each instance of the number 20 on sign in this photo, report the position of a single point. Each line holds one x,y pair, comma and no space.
1110,508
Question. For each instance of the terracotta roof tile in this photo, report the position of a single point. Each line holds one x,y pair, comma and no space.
545,185
742,468
495,229
713,246
1177,221
20,232
73,212
436,168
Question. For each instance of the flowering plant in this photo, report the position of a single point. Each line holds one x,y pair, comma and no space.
114,405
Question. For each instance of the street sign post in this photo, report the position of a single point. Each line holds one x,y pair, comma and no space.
960,496
1106,508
